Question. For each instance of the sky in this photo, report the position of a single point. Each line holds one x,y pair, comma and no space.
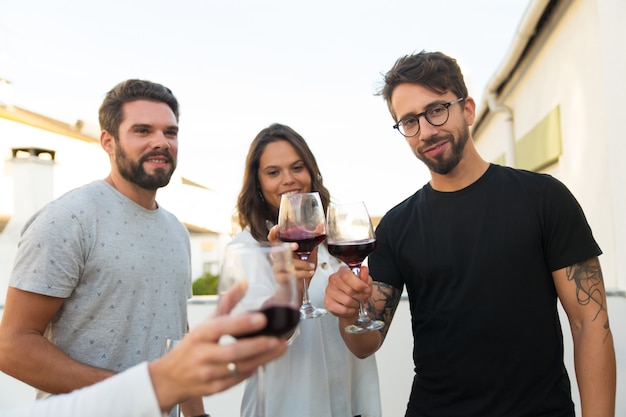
236,66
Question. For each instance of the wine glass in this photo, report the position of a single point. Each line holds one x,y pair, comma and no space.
301,220
260,277
351,238
171,343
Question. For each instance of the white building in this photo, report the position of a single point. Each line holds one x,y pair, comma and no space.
554,106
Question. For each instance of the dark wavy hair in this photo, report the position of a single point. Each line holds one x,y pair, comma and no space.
435,71
253,210
111,115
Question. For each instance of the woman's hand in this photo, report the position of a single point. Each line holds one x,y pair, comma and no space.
272,235
304,269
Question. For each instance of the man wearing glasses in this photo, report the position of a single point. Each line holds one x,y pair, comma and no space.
483,251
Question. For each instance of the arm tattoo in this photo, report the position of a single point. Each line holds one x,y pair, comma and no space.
587,276
384,305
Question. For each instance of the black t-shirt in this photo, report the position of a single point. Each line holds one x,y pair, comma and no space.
476,264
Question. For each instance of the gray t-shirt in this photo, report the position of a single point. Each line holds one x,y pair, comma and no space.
124,272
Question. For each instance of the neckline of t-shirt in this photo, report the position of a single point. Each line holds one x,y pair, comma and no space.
127,201
463,191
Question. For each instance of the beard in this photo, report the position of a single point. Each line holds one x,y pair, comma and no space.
133,171
441,164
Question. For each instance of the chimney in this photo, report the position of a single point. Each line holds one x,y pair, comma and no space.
32,172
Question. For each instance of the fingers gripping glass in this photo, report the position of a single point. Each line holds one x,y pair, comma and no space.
351,238
436,115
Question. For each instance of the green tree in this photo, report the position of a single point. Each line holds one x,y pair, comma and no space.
205,285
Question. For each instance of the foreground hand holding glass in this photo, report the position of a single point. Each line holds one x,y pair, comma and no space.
301,219
351,238
263,275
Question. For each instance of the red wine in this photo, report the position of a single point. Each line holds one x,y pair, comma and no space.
280,321
305,240
352,253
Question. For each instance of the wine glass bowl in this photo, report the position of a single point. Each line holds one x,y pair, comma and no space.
260,277
352,253
301,219
351,238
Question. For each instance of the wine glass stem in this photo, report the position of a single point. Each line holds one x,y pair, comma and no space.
362,314
261,391
305,290
305,294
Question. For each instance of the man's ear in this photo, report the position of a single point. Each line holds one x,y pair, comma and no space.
106,141
469,110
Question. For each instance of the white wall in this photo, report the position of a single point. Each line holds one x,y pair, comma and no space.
611,16
566,68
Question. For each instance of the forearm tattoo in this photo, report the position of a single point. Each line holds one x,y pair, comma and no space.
383,304
587,276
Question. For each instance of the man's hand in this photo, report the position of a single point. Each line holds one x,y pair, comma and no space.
201,366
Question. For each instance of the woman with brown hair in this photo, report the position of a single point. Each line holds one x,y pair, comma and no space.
318,376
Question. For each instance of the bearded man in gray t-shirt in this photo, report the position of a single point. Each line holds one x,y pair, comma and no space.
102,274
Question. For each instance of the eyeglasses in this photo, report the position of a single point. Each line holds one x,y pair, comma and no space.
436,115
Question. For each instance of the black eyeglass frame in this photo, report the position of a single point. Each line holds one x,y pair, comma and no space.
425,114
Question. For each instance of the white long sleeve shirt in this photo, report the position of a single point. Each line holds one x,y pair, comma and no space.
127,394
